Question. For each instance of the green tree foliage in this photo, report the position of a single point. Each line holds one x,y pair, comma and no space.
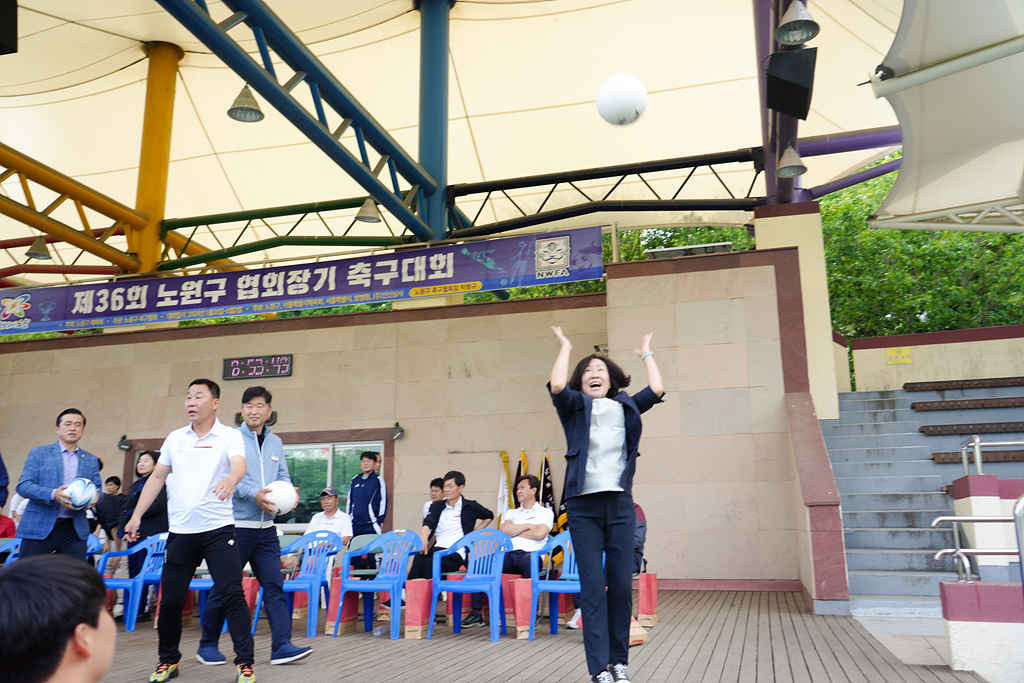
45,335
332,310
888,282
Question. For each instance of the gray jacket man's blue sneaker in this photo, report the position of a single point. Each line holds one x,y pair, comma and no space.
289,653
210,656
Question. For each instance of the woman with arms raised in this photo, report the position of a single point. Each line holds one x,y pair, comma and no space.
602,430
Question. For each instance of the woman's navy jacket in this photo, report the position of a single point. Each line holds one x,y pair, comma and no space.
574,411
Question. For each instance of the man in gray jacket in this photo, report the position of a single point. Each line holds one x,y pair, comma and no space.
257,535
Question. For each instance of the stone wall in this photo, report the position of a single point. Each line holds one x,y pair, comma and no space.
717,475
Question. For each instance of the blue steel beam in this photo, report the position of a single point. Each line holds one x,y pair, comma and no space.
855,178
298,57
193,18
433,137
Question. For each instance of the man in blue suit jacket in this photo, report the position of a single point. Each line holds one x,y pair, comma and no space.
3,483
49,524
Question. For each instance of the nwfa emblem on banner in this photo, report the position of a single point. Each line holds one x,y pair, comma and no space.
552,257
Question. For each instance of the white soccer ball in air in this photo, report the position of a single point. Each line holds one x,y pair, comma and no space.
283,497
621,99
82,493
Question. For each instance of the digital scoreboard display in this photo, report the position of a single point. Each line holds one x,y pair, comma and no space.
248,367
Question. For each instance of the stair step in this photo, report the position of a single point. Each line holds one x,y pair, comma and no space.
898,519
902,414
970,403
905,398
875,394
916,484
862,404
871,428
901,539
864,582
947,457
879,454
904,606
896,560
946,385
873,441
894,501
973,428
886,468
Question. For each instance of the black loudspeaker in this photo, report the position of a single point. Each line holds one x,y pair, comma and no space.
790,81
8,26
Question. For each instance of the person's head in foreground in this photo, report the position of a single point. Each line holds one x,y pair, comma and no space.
53,621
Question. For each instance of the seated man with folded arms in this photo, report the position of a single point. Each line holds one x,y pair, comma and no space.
61,635
528,525
449,520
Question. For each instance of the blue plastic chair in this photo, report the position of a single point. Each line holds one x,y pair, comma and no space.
12,546
394,547
487,548
92,545
317,550
150,575
204,586
567,582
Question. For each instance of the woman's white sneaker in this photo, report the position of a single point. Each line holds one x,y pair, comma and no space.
618,672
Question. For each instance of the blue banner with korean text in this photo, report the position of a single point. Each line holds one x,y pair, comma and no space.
548,258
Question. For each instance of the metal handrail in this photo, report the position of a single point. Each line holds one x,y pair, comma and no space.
975,443
963,555
965,519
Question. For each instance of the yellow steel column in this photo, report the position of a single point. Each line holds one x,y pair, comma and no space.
156,151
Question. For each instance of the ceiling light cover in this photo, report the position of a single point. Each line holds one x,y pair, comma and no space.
245,108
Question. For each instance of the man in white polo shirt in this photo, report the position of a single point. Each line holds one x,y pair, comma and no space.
207,460
331,519
528,525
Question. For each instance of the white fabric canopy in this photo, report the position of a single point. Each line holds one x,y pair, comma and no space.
523,81
963,131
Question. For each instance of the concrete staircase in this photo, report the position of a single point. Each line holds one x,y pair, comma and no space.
891,491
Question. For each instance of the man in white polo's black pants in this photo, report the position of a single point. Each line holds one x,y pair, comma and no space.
207,460
256,534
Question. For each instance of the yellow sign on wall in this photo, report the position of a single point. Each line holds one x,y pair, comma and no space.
900,355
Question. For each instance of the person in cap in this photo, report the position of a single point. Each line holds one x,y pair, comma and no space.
331,519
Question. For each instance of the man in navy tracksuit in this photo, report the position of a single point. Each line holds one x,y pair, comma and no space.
367,498
256,534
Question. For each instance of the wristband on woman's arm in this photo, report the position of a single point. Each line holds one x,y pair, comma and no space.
644,356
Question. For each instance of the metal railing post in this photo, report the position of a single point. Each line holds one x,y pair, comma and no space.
1018,518
977,454
961,566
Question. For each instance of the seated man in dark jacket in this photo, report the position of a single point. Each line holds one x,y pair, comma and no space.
449,520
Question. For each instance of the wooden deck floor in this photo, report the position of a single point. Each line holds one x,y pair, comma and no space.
702,636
